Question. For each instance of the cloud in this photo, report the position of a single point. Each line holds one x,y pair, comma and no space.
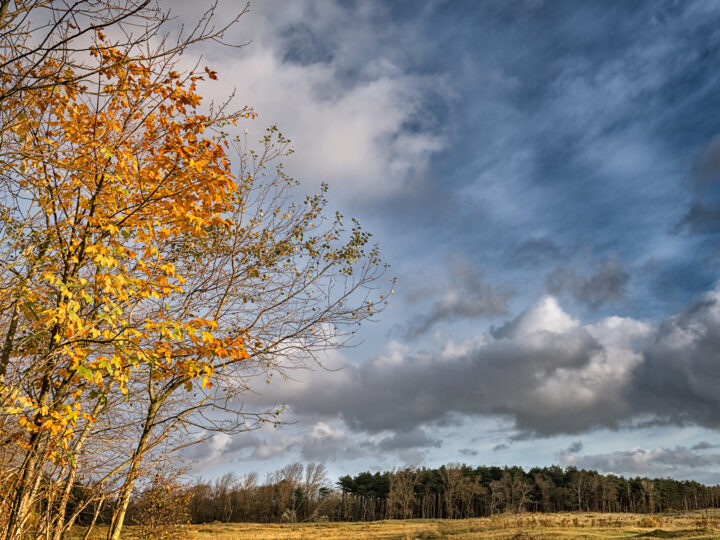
703,215
678,462
465,296
217,447
605,285
702,445
414,438
500,447
469,452
678,377
358,119
544,370
545,316
272,445
574,448
325,443
700,218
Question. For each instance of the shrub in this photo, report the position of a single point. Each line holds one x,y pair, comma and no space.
648,523
161,510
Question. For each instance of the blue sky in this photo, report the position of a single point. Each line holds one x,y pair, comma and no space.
544,179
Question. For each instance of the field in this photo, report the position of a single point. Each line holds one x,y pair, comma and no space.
694,525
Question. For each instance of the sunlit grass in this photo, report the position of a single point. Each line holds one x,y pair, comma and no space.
588,525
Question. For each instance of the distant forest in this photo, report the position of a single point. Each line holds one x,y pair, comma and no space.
300,492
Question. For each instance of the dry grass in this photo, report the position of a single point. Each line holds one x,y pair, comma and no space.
591,526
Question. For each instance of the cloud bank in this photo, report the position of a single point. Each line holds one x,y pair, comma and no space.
545,371
678,462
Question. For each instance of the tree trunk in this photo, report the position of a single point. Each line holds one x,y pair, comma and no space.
25,492
59,524
86,536
123,501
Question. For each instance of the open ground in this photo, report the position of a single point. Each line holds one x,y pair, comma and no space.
586,525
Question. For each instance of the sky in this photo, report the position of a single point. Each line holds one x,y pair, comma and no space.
544,180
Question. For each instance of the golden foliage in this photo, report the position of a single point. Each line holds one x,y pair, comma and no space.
105,180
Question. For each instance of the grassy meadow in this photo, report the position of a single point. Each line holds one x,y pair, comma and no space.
588,525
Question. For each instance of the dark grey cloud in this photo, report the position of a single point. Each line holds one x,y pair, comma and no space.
463,296
702,445
606,284
703,215
500,447
199,451
574,448
679,377
241,442
469,452
414,438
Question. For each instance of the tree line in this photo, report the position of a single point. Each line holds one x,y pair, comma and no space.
298,493
462,491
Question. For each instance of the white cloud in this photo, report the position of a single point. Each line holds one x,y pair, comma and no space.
360,125
545,316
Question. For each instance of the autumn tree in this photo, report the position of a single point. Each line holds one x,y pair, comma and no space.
401,497
470,491
544,486
314,482
151,264
451,476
